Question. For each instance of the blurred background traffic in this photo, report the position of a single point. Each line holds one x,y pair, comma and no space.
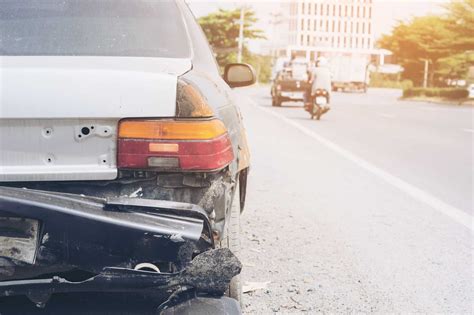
423,47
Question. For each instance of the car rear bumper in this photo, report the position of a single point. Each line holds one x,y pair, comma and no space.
106,229
49,234
292,95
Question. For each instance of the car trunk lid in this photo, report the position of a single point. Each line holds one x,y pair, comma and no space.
59,115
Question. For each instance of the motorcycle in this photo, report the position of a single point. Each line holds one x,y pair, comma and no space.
319,102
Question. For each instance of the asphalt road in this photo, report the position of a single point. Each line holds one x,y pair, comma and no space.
368,210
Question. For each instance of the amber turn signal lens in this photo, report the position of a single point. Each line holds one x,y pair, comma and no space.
171,129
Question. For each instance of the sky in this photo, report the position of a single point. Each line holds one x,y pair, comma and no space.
386,12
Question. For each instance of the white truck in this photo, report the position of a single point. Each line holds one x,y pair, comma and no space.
350,71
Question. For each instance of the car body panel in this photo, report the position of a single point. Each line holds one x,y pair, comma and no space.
101,219
224,102
41,131
58,149
89,87
205,66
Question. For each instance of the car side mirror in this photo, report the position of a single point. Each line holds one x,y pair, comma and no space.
239,74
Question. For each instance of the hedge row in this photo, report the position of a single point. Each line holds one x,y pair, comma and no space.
449,93
405,84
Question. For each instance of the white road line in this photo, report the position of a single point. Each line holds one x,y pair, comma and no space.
415,192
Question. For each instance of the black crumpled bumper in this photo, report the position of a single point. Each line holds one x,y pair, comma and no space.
51,233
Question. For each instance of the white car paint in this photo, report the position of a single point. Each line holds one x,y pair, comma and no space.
46,101
89,87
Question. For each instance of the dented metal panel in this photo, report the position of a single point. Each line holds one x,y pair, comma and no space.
67,213
107,237
244,151
89,234
210,272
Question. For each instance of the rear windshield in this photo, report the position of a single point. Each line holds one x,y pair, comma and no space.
140,28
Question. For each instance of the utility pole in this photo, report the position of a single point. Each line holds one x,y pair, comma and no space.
276,20
425,77
241,34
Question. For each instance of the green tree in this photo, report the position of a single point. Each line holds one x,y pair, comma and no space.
460,23
456,66
443,40
262,65
222,31
420,39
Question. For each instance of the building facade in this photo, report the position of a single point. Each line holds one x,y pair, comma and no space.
316,26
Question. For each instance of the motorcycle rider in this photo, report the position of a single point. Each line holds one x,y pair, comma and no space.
321,80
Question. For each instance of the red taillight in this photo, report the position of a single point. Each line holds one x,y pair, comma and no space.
193,145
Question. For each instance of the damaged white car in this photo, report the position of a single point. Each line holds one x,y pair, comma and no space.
123,160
